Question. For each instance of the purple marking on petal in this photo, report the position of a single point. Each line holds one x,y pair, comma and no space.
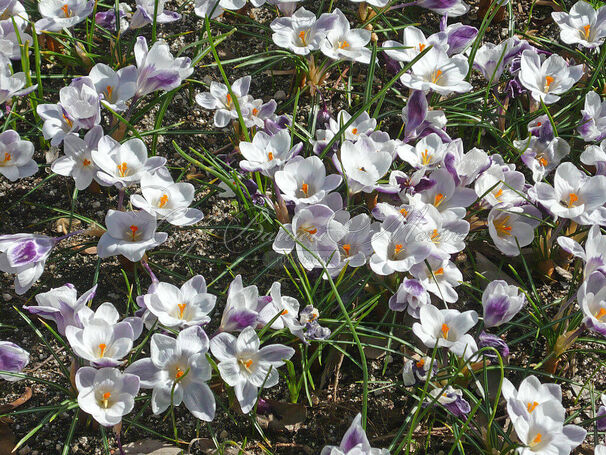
460,38
23,253
416,111
495,310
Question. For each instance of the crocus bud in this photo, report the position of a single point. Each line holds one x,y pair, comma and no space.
411,296
493,341
501,303
12,359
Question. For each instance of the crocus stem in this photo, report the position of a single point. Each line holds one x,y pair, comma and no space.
120,198
119,442
66,236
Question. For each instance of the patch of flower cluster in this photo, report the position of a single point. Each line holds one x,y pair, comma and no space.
426,193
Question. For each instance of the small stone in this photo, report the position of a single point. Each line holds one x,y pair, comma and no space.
7,297
24,450
96,204
280,95
223,434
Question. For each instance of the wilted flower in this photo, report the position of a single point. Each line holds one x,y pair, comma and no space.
144,14
416,372
501,302
241,307
354,442
123,164
308,317
100,338
12,84
24,255
61,305
547,79
512,228
583,25
268,154
106,394
13,359
115,87
130,234
157,69
167,200
16,160
452,399
304,180
411,295
302,32
343,43
57,15
493,341
78,162
245,366
542,157
219,99
177,371
593,124
174,307
447,328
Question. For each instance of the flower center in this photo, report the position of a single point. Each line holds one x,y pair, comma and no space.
181,309
102,348
531,406
228,99
438,199
305,189
85,162
548,81
7,158
255,111
106,397
133,231
404,212
355,131
421,363
435,236
572,199
426,157
109,89
542,160
436,76
67,120
586,31
600,314
163,201
421,47
123,169
179,374
497,194
445,329
536,440
343,44
502,226
303,37
246,364
398,248
270,156
66,10
440,271
346,248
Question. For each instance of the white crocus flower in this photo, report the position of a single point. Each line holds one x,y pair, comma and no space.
60,14
286,307
545,434
302,32
245,366
583,25
354,442
341,43
167,200
145,14
594,253
81,102
123,164
512,228
362,165
220,100
530,395
106,394
16,160
178,371
542,157
592,299
447,328
438,72
593,123
547,79
445,231
115,87
174,307
438,276
241,308
57,122
413,42
268,154
304,180
78,162
130,234
427,154
103,340
495,186
11,84
573,195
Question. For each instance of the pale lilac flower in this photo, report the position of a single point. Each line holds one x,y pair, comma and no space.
498,186
178,371
465,168
439,276
24,255
115,87
130,234
377,3
362,165
14,10
542,157
397,247
241,309
493,59
174,307
157,69
78,162
214,8
512,228
531,395
57,122
123,164
413,43
600,449
427,154
444,231
411,296
256,112
106,394
547,79
595,155
144,14
12,84
286,307
353,237
452,399
341,43
594,253
268,154
575,195
219,99
592,299
583,25
80,101
308,317
416,372
167,200
245,366
450,8
302,32
601,417
10,42
100,338
60,14
501,302
593,124
447,328
61,305
304,180
107,19
16,160
438,72
444,194
354,442
363,124
13,359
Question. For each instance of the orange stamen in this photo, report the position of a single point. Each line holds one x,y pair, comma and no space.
181,309
68,121
270,156
436,76
572,198
601,313
501,226
531,406
355,131
133,230
438,199
179,373
445,330
343,45
106,397
404,212
248,364
440,271
347,248
537,439
7,157
302,35
426,157
122,169
543,161
435,235
102,347
65,9
548,81
498,193
284,312
421,47
305,189
85,162
109,90
587,29
398,248
163,201
311,230
420,363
